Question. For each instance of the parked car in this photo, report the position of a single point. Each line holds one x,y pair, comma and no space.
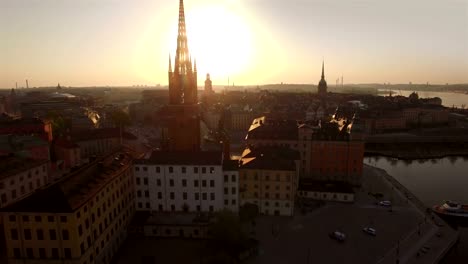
385,203
369,230
339,236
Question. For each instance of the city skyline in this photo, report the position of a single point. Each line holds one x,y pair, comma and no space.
114,42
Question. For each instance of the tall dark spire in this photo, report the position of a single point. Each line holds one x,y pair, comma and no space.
322,86
323,69
183,80
182,53
170,63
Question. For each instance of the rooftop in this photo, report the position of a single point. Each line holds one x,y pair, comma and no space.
183,158
263,128
76,188
99,133
10,166
230,165
269,158
12,143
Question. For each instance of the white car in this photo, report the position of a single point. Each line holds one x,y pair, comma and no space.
339,236
369,230
385,203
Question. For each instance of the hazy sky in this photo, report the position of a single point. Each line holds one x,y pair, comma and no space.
127,42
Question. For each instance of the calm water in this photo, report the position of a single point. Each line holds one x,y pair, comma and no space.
448,99
433,181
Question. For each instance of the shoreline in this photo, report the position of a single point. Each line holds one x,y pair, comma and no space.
415,155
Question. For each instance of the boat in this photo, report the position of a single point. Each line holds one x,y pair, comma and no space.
451,209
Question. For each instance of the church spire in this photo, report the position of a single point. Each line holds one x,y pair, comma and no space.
182,53
323,69
322,86
170,63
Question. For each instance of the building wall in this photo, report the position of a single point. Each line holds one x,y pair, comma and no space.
327,196
323,160
92,233
242,120
273,191
71,157
179,188
336,161
179,231
231,190
20,185
98,147
389,123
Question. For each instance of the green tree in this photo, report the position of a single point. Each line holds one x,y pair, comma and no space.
59,123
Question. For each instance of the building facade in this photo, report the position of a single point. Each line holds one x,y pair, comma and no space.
183,182
269,179
328,151
82,218
20,177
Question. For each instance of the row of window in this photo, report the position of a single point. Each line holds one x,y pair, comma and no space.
172,182
267,177
184,207
324,195
267,195
267,187
21,178
38,218
42,253
22,191
233,190
39,234
182,169
233,202
184,195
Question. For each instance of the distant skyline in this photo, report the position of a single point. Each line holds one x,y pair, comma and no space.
251,42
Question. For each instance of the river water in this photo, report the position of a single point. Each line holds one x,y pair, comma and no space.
433,181
448,99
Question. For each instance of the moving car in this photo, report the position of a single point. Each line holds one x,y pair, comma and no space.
369,230
385,203
339,236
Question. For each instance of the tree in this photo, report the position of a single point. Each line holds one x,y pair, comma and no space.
120,118
248,212
227,236
59,123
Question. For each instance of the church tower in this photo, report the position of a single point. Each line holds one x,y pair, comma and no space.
322,86
183,112
183,80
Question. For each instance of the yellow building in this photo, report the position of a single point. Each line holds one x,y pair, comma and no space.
269,179
82,218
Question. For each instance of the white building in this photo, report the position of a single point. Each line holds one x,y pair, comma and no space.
20,177
231,185
184,182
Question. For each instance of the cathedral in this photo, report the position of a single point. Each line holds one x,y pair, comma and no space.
183,115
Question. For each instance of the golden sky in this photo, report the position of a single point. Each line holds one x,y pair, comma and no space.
251,42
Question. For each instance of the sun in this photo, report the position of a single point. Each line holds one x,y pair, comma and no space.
219,40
